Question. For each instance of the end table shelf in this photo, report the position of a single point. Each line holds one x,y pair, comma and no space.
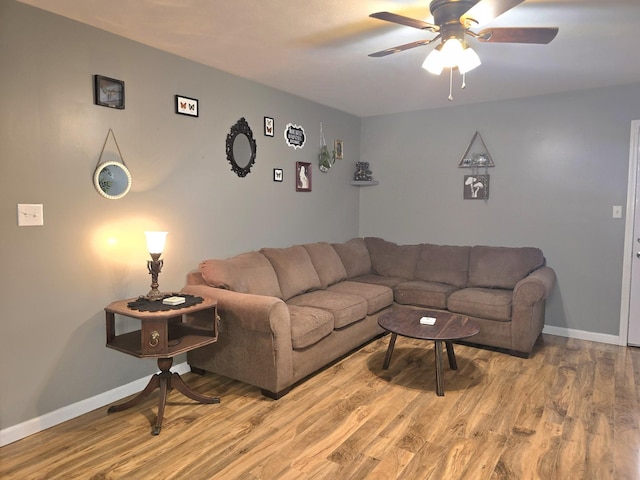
163,335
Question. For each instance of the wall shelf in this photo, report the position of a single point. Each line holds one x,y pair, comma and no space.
362,183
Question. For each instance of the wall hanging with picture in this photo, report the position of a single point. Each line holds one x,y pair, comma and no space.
478,159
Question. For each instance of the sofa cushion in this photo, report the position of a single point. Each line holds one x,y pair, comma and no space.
249,272
377,296
423,294
502,267
443,264
345,308
309,325
326,262
379,280
296,274
490,303
393,260
354,256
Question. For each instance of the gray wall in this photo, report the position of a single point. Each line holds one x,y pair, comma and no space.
56,279
561,164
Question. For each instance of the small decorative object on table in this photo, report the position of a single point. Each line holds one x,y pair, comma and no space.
362,173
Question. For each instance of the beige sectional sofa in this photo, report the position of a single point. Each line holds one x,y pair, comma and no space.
287,312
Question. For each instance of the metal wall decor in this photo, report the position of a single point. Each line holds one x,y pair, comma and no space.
478,159
241,148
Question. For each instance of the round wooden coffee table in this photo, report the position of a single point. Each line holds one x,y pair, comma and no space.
448,327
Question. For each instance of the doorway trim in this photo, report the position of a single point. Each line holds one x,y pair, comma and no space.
634,153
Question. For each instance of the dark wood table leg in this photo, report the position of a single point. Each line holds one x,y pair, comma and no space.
165,381
439,368
452,356
387,357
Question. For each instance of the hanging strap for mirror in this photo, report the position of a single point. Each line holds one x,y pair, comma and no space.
110,132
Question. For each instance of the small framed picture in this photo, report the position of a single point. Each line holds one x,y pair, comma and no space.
186,106
268,127
303,177
278,175
337,147
108,92
476,187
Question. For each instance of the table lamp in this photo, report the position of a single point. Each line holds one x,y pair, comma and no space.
155,245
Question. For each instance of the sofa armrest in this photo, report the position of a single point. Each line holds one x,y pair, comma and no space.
534,287
528,308
257,313
254,345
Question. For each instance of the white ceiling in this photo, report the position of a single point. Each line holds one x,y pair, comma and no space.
318,49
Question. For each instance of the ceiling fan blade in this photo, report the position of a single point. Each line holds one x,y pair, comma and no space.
486,10
518,35
401,48
402,20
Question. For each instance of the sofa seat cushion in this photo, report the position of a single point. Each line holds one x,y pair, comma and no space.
489,303
423,294
502,267
345,308
443,264
377,296
393,260
295,271
379,279
249,272
309,325
354,256
326,262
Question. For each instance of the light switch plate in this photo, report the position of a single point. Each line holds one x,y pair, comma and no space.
30,215
617,211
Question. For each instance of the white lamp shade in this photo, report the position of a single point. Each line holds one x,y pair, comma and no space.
155,241
468,60
434,63
452,51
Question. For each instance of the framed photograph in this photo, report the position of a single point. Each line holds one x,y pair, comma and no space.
278,175
108,92
476,187
303,177
268,127
337,147
186,106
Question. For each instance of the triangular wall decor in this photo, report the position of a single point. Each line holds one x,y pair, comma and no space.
476,154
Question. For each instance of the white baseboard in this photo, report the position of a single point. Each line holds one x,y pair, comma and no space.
16,432
583,335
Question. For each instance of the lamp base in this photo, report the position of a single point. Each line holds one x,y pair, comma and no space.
154,294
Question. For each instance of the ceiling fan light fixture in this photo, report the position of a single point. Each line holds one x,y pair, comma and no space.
452,51
468,60
434,63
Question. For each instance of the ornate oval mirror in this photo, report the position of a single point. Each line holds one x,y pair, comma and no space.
241,148
112,180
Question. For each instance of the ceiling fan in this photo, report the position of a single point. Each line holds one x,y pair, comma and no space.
453,21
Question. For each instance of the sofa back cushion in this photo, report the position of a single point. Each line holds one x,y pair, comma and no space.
249,272
502,267
443,264
392,260
326,262
295,271
354,256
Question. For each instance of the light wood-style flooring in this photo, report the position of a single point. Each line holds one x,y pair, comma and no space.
568,412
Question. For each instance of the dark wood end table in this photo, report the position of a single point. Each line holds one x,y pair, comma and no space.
163,335
448,327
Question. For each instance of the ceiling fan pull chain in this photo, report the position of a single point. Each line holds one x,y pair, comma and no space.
450,84
464,78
